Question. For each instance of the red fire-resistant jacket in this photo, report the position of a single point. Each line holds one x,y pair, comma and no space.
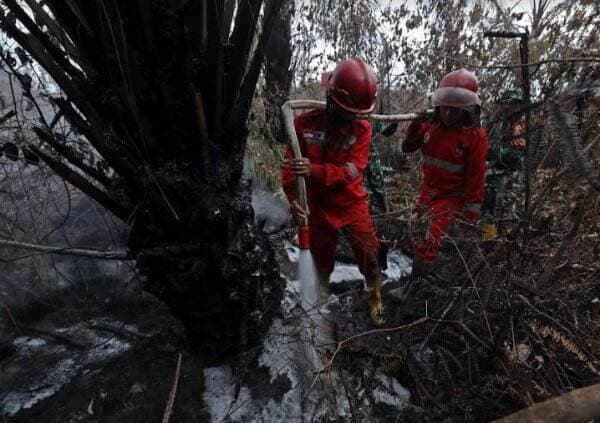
453,163
338,160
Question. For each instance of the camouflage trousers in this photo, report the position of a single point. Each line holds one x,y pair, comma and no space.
375,183
503,190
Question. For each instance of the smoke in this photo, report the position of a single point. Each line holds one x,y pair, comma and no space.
309,280
271,212
40,208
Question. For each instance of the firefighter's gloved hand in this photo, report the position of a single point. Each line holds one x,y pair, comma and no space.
413,142
299,213
300,167
414,125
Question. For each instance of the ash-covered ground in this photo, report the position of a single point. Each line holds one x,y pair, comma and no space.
82,342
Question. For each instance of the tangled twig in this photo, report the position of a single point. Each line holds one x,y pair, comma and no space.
343,342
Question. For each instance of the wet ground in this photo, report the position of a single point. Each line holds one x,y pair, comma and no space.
110,356
80,340
111,359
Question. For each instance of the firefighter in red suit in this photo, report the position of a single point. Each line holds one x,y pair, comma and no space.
454,149
335,148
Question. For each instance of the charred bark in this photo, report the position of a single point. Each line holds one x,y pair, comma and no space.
278,77
161,97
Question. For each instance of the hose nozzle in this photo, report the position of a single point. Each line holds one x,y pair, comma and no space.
303,237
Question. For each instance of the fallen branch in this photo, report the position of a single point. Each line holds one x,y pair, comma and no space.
65,251
119,330
59,144
343,342
173,393
438,321
580,405
56,336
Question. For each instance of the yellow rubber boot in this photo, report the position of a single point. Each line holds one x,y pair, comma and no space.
375,302
490,231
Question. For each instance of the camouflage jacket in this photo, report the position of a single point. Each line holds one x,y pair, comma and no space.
507,151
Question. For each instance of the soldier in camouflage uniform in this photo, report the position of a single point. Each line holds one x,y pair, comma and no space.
374,177
504,177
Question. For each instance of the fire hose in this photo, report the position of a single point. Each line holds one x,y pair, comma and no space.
288,115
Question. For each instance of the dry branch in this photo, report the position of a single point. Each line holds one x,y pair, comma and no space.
37,51
72,156
53,29
56,336
173,393
58,55
91,131
343,342
241,39
248,83
119,329
65,251
59,34
544,280
83,184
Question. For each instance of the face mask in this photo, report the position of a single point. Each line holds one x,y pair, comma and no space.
339,116
451,116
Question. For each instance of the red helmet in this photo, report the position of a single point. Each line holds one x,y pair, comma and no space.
457,89
352,85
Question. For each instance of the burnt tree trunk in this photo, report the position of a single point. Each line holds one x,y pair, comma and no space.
162,90
278,77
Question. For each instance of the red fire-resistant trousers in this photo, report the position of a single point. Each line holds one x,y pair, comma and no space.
362,238
439,213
